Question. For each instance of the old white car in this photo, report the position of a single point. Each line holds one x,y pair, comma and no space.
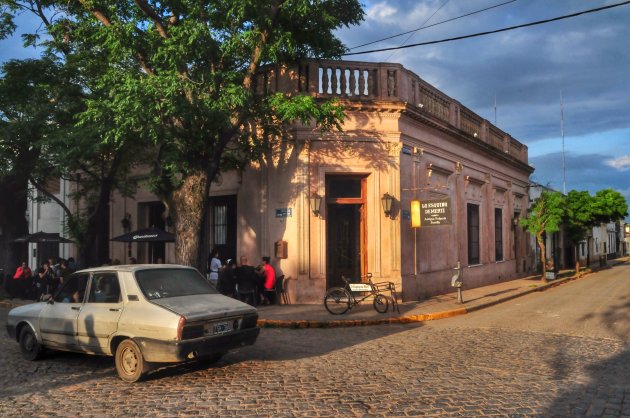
140,314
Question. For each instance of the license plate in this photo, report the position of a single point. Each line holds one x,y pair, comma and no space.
221,328
360,287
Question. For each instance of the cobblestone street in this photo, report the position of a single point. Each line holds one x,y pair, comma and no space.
385,370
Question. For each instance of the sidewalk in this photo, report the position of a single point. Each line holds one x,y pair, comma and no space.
438,307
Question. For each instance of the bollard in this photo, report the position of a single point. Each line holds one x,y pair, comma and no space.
457,281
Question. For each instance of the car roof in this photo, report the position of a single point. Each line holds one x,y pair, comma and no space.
133,267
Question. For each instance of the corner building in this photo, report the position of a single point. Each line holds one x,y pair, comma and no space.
315,203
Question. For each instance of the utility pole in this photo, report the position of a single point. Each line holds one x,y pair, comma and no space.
564,162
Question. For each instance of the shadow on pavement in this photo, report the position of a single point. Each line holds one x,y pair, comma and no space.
290,344
603,394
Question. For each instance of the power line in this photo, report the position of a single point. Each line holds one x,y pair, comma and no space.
413,33
432,25
474,35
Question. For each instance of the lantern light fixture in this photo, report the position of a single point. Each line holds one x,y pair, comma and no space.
387,201
316,203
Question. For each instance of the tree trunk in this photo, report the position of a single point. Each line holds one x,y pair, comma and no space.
543,257
577,262
13,223
588,252
187,207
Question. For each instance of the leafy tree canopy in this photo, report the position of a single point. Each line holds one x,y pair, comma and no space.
182,75
546,213
609,206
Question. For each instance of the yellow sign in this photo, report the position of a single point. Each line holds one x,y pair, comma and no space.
415,214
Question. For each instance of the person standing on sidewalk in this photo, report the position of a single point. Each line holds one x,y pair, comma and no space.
268,281
44,280
22,280
214,265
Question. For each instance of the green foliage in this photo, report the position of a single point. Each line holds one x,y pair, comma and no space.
546,214
609,206
179,78
579,216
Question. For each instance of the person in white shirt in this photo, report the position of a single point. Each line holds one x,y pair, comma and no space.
214,265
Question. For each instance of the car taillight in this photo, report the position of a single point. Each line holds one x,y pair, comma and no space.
180,327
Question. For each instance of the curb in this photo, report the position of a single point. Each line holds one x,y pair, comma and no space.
407,319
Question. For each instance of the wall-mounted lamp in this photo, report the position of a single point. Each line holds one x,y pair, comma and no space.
316,203
420,105
515,221
429,170
475,134
387,201
126,222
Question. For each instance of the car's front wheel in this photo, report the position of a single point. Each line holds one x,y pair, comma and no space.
29,346
130,365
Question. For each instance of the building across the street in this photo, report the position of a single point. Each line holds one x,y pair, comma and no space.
327,205
347,203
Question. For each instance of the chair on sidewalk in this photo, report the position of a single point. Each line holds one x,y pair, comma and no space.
281,290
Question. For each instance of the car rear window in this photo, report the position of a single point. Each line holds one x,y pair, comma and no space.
172,282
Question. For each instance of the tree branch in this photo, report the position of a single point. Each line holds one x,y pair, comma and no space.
258,50
152,14
42,189
100,16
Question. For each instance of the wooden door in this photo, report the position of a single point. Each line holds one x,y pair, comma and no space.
345,228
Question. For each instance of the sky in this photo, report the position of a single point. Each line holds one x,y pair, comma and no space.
585,59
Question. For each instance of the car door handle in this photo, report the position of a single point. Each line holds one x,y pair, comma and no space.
114,309
76,308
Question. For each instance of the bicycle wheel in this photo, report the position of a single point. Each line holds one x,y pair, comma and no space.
337,300
381,303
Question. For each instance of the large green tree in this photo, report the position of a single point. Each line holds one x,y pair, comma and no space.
579,218
33,98
182,75
609,206
545,217
41,142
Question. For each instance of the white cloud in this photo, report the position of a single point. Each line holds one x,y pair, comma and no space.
621,163
381,12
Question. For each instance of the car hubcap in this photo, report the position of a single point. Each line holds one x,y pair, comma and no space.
29,343
130,361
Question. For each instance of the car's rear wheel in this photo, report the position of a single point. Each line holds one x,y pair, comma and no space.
130,365
29,346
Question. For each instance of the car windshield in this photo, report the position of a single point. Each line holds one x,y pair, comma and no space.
172,282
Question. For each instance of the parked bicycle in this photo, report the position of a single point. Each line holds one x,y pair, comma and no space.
338,300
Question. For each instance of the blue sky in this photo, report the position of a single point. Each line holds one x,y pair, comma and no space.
587,58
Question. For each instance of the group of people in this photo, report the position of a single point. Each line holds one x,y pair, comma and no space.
254,285
28,285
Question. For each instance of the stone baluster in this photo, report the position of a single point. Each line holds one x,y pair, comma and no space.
353,82
344,83
324,80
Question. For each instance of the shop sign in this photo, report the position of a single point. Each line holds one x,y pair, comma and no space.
284,213
431,212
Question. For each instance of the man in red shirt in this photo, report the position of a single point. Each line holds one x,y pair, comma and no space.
22,280
269,280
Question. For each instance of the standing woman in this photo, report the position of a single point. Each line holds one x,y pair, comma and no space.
214,265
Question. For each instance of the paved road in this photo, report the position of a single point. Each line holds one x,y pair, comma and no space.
563,352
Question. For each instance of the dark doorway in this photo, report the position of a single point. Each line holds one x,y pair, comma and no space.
345,228
151,214
222,226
